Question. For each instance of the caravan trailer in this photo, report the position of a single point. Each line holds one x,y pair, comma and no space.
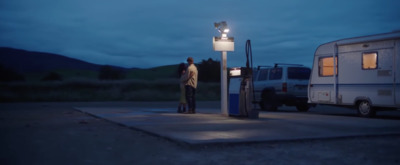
361,72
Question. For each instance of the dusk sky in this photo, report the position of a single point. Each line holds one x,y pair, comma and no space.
133,33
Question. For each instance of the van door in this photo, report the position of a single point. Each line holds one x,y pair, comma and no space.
297,81
260,81
276,80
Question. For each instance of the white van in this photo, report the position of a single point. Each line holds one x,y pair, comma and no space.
362,72
282,84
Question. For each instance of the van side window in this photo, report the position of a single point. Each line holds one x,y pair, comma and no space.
369,60
298,73
263,75
275,74
326,66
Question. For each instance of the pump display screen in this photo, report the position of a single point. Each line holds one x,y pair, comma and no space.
235,72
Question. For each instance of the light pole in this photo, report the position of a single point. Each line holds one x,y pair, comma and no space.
223,44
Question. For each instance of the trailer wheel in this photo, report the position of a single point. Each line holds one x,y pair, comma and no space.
365,109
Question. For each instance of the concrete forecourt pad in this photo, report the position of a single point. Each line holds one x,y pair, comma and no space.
209,126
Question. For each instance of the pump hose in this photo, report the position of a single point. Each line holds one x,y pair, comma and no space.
249,54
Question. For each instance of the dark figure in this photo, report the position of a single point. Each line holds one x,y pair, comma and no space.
182,100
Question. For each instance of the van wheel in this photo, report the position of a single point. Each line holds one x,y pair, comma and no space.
268,107
268,101
302,107
365,109
262,105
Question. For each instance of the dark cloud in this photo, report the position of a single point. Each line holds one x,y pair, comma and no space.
152,33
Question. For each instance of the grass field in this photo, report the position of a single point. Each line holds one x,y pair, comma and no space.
96,90
153,84
162,72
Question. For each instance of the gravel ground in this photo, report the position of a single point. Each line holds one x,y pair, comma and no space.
55,133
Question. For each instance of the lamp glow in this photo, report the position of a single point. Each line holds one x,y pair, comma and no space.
224,44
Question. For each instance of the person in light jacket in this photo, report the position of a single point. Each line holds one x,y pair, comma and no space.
191,85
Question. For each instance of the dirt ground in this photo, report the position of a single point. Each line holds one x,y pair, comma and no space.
55,133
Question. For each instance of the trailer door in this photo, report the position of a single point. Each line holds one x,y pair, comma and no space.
386,75
367,71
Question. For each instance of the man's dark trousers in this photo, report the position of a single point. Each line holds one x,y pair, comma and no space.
191,98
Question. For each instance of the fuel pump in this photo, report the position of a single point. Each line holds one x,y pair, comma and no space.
241,92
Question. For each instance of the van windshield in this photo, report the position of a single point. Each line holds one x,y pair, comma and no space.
299,73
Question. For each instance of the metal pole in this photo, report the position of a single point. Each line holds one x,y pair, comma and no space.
224,86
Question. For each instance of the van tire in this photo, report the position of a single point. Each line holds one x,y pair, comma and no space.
302,107
268,100
365,109
268,107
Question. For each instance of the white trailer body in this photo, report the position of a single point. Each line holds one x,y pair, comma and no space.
363,72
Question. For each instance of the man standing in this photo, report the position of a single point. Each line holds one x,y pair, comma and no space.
191,85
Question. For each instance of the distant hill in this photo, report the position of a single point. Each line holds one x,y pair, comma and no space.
23,61
34,65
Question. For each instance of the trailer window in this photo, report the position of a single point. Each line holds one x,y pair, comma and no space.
326,66
369,60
